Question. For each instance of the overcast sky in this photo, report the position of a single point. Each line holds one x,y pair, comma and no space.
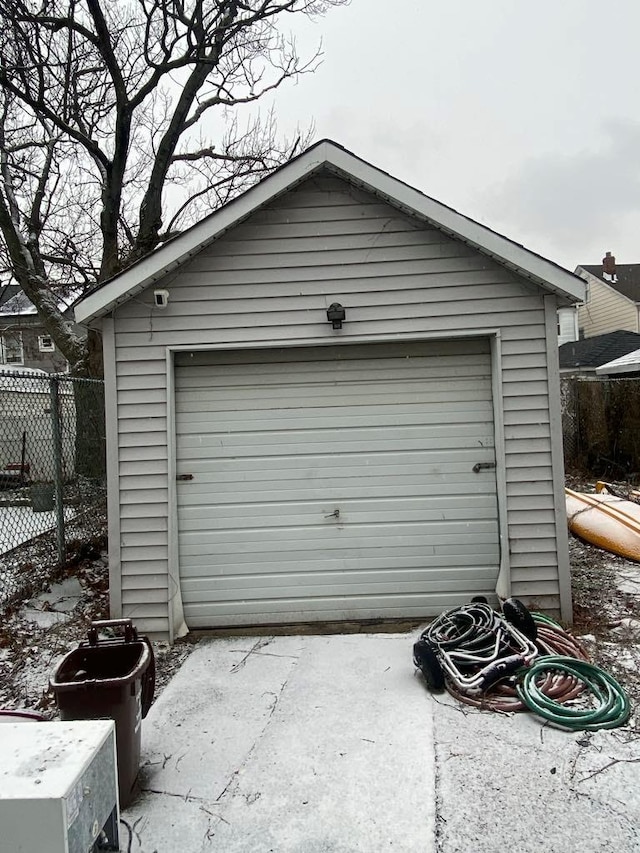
522,115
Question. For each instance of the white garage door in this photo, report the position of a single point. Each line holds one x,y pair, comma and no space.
335,483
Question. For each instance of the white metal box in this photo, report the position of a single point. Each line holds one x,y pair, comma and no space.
58,786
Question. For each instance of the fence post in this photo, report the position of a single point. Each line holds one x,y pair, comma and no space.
58,480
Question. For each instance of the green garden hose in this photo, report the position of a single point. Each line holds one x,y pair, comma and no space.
543,619
612,708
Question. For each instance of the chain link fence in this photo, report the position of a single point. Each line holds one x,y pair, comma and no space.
52,475
601,426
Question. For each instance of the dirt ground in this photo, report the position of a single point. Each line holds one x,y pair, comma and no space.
29,651
606,595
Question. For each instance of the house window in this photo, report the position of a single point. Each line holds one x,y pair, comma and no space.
11,351
45,343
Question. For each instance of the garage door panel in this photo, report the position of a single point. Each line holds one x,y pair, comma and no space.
375,353
347,434
277,542
333,417
338,465
406,556
343,394
287,611
308,486
373,511
457,409
393,441
320,493
389,442
320,585
372,357
302,488
298,522
346,525
336,418
304,375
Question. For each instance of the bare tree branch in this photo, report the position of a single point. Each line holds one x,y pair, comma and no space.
106,129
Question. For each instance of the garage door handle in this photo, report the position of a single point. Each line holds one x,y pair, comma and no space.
184,477
479,466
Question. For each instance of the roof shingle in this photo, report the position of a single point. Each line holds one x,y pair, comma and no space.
592,352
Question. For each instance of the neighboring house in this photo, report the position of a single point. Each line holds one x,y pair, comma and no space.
584,357
25,425
612,299
625,367
23,340
335,398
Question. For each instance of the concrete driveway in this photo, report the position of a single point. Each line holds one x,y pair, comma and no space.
333,744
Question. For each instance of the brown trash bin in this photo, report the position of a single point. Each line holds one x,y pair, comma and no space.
110,679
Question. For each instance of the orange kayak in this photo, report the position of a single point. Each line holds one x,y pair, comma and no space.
605,520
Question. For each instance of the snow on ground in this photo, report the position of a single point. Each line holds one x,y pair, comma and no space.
334,745
512,783
19,524
21,549
289,744
36,665
629,579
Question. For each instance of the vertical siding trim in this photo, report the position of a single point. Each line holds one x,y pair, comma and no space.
113,484
503,583
177,625
557,459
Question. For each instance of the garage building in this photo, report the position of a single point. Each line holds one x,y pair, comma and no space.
333,399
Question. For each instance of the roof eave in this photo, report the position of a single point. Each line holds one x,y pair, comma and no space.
605,370
176,252
456,225
326,153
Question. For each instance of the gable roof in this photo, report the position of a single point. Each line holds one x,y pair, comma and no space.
627,278
333,157
629,363
590,353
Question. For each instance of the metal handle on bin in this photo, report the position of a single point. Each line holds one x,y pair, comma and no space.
130,633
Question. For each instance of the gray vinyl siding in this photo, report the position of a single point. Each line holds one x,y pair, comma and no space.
271,278
606,311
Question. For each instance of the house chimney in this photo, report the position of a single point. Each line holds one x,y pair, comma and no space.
609,266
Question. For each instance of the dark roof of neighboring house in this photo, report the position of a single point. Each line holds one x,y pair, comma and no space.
592,352
627,279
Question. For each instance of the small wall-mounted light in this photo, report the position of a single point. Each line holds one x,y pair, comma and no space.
336,314
161,298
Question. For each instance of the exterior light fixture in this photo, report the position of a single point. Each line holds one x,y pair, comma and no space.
161,298
336,314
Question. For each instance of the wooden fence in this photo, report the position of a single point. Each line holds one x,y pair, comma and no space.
601,427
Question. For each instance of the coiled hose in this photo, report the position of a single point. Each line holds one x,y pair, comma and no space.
612,706
551,686
559,686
